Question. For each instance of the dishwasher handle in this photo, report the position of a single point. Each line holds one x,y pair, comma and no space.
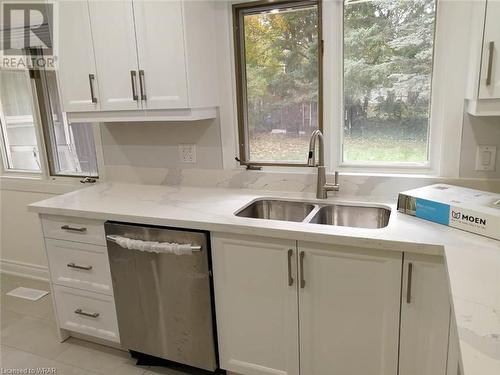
153,246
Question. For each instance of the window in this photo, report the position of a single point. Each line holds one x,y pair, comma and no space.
388,58
70,147
277,48
17,118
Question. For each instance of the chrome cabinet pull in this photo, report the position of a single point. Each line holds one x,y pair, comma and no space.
84,313
302,279
73,265
74,229
408,284
290,278
133,79
490,63
91,83
142,84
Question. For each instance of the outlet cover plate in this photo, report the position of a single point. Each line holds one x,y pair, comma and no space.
486,158
187,153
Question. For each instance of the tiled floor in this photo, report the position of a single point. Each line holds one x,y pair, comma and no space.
28,339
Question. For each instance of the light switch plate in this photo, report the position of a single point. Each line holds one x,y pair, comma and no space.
187,153
485,158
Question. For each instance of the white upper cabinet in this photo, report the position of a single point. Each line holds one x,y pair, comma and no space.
77,70
425,316
483,86
116,54
349,303
144,59
160,46
489,87
255,286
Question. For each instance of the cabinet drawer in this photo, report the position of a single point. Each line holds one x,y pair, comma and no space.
79,265
74,229
89,313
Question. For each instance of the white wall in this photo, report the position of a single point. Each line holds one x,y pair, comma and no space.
21,246
479,131
155,144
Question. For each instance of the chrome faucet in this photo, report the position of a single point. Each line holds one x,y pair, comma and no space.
323,187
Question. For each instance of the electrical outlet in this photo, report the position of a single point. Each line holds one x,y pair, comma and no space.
187,153
485,158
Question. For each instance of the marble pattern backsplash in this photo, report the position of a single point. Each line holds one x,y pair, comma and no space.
376,186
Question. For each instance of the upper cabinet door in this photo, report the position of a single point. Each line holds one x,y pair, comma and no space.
160,47
78,79
489,87
116,54
349,304
425,313
256,303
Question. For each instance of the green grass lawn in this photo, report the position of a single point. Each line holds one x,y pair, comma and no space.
384,149
267,147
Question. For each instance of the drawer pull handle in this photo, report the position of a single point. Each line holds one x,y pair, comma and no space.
73,265
84,313
73,229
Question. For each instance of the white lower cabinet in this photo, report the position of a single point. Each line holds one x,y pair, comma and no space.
80,278
349,302
425,316
345,304
257,311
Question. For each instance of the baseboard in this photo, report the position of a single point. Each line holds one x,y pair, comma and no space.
28,270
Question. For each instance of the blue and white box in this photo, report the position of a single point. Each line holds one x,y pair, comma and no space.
467,209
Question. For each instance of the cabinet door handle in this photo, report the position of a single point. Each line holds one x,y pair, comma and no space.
84,313
74,229
142,84
73,265
408,283
91,83
491,50
133,79
302,279
289,256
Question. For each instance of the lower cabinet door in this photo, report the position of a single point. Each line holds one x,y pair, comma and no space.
425,316
349,310
256,304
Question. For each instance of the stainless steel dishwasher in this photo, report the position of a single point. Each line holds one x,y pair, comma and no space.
162,290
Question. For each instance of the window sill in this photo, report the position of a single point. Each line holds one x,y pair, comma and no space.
40,185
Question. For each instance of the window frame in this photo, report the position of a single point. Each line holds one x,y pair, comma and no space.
447,102
5,169
240,76
415,167
44,106
46,169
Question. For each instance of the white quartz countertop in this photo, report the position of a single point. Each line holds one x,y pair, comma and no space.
473,262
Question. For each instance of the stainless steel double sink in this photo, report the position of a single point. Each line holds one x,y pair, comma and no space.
347,215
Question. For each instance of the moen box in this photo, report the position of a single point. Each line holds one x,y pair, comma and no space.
467,209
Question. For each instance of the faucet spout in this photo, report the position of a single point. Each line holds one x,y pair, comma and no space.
323,187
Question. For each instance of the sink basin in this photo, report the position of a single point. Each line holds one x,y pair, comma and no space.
277,210
352,216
